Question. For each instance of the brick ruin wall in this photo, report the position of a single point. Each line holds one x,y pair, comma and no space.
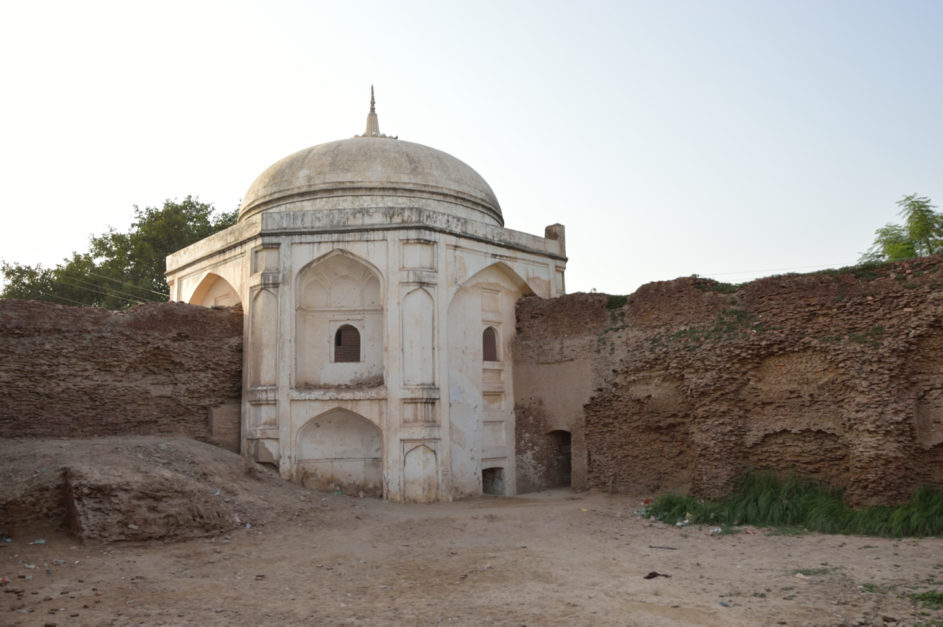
686,384
161,368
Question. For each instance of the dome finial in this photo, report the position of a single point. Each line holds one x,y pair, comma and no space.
373,124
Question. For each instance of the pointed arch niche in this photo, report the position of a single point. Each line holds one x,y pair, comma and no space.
215,291
341,450
338,293
420,480
481,399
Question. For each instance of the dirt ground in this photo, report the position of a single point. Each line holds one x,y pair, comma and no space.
555,557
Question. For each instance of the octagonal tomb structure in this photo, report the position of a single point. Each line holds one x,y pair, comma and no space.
378,284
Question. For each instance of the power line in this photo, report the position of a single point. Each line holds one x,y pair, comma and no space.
94,291
108,278
105,287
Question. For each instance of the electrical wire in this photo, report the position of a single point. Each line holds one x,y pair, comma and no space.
115,290
133,301
108,278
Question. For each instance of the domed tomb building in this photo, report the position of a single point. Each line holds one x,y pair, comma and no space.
378,284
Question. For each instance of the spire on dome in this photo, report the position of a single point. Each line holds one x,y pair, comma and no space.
373,124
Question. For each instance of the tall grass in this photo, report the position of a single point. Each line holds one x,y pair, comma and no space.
768,500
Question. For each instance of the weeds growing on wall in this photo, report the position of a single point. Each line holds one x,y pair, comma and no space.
616,302
768,500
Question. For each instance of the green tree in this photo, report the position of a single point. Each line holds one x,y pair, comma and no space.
120,269
921,233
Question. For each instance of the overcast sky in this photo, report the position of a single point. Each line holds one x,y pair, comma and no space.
726,139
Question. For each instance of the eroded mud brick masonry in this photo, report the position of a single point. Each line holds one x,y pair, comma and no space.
685,384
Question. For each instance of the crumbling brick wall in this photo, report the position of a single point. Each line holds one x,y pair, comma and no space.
78,372
836,375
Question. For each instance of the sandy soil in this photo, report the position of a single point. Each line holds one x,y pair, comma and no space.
554,557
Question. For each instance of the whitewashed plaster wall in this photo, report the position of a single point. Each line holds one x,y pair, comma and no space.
420,416
480,398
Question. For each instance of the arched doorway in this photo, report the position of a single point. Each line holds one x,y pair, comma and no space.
559,466
341,450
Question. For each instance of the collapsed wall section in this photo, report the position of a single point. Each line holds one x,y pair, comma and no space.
836,375
158,368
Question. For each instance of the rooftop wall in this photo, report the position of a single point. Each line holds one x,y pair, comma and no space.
78,371
685,384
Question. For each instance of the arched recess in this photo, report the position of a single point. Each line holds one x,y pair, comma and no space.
489,344
481,403
492,481
418,338
215,291
420,482
336,290
341,450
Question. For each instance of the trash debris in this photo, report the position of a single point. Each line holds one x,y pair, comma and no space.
132,526
654,574
248,526
717,530
39,541
666,548
724,604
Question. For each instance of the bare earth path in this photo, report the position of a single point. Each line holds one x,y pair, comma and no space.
551,558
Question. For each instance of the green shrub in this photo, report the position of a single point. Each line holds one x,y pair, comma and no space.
616,302
768,500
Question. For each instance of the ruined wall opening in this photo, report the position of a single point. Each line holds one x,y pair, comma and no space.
492,481
559,468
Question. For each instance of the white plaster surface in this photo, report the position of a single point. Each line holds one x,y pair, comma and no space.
404,243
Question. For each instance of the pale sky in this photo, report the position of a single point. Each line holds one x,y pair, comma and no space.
725,139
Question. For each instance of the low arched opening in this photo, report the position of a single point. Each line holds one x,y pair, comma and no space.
560,459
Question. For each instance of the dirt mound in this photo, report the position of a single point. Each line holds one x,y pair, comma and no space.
130,488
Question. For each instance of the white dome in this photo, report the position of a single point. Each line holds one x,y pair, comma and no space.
376,170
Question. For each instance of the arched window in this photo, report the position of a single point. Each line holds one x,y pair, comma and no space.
347,344
489,345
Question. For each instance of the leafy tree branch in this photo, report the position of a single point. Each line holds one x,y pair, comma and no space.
120,269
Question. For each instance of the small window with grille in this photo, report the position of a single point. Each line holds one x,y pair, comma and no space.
489,345
347,344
